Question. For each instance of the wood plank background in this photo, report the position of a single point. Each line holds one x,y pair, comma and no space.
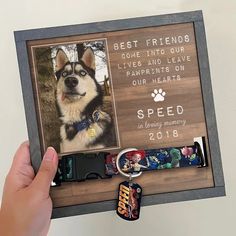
128,99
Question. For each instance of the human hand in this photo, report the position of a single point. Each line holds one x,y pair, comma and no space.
26,204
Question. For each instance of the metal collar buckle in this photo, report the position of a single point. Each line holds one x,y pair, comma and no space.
128,175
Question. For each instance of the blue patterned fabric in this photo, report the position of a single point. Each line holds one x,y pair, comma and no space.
155,159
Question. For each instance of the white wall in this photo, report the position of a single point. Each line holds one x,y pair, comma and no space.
196,218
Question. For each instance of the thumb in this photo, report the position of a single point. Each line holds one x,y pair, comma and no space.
46,173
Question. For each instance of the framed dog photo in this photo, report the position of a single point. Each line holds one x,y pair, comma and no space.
137,83
74,94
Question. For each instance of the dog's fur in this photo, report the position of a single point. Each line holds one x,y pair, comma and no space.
78,96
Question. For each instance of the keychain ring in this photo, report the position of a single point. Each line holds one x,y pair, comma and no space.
118,164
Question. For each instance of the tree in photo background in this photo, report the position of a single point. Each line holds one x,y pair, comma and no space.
46,89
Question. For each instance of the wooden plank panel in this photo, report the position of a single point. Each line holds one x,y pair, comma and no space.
182,93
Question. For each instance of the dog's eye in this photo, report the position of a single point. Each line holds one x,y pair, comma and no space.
82,72
64,74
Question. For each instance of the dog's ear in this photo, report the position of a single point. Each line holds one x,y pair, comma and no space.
88,58
61,59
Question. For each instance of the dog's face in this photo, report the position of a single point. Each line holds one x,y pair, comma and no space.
76,80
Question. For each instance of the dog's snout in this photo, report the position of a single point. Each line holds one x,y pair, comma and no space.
71,82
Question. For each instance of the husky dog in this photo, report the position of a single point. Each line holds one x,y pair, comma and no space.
80,99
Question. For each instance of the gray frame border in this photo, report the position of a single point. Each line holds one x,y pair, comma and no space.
196,17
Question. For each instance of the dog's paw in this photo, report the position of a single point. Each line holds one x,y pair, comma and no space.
158,95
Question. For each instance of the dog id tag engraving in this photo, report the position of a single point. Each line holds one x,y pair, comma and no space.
91,132
129,200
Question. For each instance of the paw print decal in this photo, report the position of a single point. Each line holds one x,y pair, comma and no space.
158,95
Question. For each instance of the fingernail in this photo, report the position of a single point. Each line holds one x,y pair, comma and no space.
49,154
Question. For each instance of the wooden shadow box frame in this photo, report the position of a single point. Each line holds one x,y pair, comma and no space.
68,200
